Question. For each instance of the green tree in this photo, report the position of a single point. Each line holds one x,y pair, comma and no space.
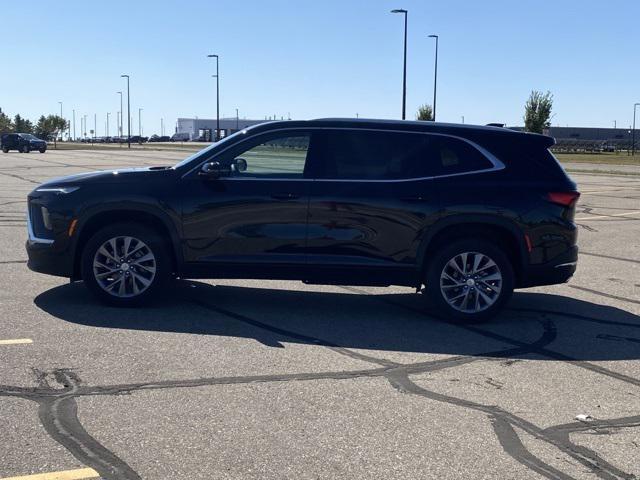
22,125
537,111
425,112
50,126
6,125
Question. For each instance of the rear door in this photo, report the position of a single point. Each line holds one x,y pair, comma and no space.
370,205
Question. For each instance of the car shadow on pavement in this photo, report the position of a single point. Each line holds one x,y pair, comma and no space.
545,326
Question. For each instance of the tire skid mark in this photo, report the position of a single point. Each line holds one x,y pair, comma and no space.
58,408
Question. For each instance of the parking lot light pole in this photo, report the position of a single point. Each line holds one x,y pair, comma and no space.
633,131
435,78
107,133
120,119
217,75
140,121
61,133
404,69
128,111
74,125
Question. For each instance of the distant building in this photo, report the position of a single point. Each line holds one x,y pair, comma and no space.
205,128
588,138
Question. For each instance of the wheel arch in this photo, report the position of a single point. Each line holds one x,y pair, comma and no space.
499,230
142,215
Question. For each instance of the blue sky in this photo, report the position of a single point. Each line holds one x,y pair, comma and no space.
323,58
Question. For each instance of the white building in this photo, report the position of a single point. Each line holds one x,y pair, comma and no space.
205,128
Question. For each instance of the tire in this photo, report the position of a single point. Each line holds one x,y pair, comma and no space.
131,282
26,149
5,150
460,294
42,150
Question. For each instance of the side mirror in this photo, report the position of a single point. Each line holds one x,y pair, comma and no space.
213,170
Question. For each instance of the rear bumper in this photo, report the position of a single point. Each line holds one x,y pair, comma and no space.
559,270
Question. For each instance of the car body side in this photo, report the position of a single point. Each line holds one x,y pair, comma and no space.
539,237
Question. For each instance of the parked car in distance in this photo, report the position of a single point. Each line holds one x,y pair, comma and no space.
22,142
180,137
164,138
464,214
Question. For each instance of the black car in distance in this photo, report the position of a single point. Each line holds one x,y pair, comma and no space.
462,213
22,142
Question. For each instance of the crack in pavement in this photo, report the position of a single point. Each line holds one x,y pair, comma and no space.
58,406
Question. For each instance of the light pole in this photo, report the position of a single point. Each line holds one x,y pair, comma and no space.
108,113
74,125
128,112
217,75
61,133
404,69
85,127
633,133
95,126
162,127
140,121
120,120
237,121
435,78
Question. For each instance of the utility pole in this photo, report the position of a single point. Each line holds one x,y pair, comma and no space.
404,70
128,111
217,76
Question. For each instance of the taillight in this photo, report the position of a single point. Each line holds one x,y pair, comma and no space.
566,199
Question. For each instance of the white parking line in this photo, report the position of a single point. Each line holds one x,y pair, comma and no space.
594,217
80,474
16,341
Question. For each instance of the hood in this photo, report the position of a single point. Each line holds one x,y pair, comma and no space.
125,175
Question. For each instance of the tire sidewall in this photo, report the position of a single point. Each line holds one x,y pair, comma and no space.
443,256
153,241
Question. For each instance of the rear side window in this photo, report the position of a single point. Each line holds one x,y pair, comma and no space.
376,155
449,156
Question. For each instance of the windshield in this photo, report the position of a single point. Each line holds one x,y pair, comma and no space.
28,136
210,147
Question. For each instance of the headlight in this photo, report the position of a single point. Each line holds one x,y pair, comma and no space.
57,189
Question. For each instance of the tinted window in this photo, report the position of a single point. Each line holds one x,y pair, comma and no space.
370,155
375,155
449,155
282,156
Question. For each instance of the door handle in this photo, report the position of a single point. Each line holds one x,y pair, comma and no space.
285,196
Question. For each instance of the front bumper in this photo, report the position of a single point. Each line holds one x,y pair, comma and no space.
558,270
47,255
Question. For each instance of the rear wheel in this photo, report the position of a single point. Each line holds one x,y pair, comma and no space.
5,149
125,264
42,150
469,280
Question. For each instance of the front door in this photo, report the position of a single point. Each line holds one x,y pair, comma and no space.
255,218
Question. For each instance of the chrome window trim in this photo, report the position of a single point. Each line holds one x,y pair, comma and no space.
32,236
497,165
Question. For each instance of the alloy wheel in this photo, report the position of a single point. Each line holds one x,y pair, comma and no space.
124,266
471,282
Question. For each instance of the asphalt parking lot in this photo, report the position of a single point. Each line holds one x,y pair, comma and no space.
266,379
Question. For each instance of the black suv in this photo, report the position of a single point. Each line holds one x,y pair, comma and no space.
23,142
468,212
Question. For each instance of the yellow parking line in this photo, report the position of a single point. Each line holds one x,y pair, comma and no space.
609,216
80,474
15,341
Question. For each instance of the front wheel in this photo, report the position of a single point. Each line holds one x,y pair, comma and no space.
469,280
5,150
42,150
125,264
26,149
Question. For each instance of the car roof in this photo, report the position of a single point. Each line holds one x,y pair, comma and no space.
454,129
